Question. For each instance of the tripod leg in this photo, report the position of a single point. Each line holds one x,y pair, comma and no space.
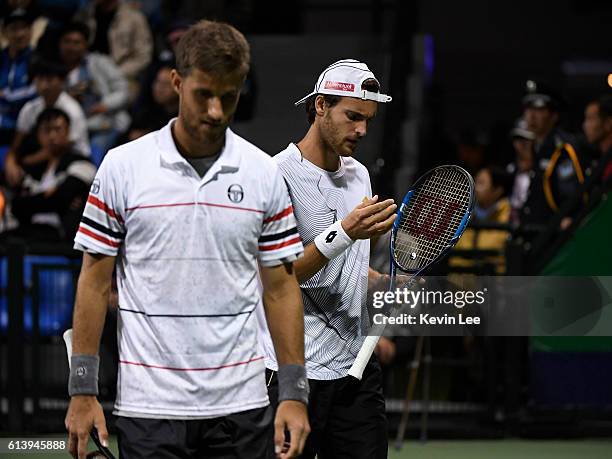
426,387
414,370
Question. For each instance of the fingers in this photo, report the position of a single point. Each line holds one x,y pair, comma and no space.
375,208
367,202
279,436
72,444
384,226
295,434
83,438
381,216
100,424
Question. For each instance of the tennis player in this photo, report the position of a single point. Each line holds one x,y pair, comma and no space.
187,213
327,186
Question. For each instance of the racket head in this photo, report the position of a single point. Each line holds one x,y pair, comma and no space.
432,217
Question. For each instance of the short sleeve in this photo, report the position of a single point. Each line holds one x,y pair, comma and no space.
102,228
279,241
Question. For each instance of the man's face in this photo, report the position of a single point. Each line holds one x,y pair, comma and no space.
345,124
54,136
18,35
73,47
524,153
49,86
486,194
207,103
593,126
540,120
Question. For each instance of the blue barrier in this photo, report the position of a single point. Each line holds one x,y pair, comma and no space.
54,285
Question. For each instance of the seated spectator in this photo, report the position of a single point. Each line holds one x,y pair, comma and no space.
160,107
121,31
522,167
38,22
97,84
49,79
16,87
492,206
52,194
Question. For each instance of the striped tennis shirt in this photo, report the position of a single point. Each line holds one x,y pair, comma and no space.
187,251
335,313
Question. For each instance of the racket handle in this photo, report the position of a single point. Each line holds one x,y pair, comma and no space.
363,357
68,341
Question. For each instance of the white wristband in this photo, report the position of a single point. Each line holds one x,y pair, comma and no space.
333,241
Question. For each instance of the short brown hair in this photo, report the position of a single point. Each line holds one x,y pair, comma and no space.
213,47
369,85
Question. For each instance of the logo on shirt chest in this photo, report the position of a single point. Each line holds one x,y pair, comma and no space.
235,193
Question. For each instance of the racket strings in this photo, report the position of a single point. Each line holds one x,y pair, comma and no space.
431,218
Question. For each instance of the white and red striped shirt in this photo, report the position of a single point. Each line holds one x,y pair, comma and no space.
187,251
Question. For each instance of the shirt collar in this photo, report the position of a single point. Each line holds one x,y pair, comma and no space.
297,155
230,156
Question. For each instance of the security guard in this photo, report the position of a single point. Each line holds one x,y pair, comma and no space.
558,168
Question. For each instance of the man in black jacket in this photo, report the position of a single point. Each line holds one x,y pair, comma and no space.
558,164
51,196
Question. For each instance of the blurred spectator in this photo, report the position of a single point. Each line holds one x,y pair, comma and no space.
522,167
52,193
16,87
597,129
50,80
97,84
558,169
38,24
471,150
173,34
122,32
492,207
160,107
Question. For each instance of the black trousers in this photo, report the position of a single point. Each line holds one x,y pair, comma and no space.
236,436
347,417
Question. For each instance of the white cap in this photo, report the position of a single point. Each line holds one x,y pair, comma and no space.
344,78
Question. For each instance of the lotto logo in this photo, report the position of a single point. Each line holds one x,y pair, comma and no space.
339,86
331,236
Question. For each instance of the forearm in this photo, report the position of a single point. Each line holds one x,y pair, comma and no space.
89,313
310,263
285,316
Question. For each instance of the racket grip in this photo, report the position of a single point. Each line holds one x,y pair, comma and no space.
68,341
363,357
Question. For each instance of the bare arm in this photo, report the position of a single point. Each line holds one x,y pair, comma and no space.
92,299
285,315
93,289
284,312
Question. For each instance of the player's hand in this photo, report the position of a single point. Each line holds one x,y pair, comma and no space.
370,218
84,412
292,416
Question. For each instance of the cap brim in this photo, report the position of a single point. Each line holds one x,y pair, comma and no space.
303,99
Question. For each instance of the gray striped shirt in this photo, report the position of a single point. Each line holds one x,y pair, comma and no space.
335,313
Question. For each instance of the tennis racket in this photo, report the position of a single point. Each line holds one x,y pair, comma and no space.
102,451
429,222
